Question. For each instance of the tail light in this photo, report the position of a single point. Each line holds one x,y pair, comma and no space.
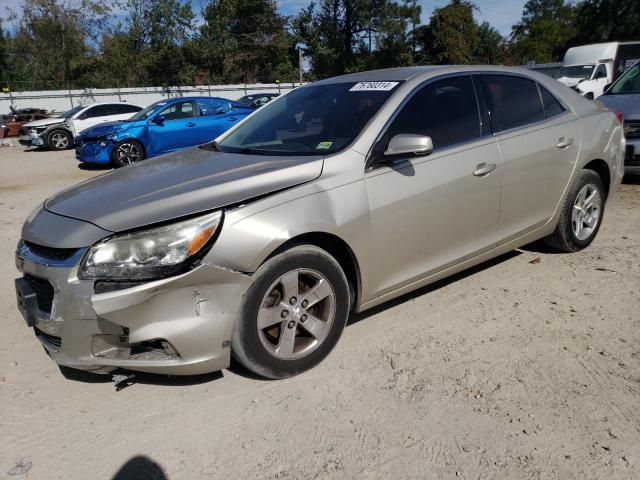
620,117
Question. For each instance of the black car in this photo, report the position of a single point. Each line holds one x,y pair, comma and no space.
258,99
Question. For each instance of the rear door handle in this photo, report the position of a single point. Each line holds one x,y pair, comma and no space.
564,142
232,119
191,124
483,169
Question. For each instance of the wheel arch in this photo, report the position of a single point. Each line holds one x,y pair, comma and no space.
600,167
338,249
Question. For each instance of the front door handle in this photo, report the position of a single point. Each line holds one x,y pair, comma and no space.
564,142
191,124
232,119
483,169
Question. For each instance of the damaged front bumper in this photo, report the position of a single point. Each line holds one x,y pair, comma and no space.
178,326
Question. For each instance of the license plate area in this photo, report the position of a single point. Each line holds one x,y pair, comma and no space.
27,301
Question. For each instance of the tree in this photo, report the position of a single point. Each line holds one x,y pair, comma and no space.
606,20
53,40
351,35
245,40
492,48
452,36
4,56
543,32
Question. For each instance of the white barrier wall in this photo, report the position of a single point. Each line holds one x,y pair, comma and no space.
62,100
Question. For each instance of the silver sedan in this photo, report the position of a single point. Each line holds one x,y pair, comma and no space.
333,198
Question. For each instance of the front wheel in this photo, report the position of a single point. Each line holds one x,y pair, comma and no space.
581,214
59,140
293,314
127,152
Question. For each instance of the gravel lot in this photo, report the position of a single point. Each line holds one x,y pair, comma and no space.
518,369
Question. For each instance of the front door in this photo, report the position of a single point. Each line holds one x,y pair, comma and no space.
434,211
178,128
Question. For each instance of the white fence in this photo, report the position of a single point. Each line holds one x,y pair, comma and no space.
62,100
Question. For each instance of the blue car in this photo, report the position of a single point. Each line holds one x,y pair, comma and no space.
162,127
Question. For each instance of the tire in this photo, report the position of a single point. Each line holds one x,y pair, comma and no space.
59,139
264,340
578,227
126,153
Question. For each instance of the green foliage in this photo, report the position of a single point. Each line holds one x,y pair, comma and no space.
106,43
452,36
606,20
4,53
544,31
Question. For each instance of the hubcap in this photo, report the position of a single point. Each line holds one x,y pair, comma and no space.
60,140
128,153
296,314
586,212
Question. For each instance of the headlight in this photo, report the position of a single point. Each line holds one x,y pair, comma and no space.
154,253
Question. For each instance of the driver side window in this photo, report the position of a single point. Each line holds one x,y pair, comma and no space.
445,110
178,110
601,72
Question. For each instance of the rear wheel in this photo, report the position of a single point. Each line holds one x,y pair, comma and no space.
127,152
581,215
293,314
59,140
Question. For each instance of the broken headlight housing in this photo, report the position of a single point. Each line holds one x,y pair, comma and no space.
151,254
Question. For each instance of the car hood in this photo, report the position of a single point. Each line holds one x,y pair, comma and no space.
104,129
179,184
571,81
44,122
629,105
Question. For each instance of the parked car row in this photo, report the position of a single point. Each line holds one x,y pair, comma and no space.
335,198
120,133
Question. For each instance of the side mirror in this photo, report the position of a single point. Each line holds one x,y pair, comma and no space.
158,119
409,144
219,110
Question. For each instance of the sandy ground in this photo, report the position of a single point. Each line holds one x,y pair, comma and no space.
515,370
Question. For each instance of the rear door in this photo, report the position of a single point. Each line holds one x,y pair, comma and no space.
91,117
434,211
179,129
539,140
121,111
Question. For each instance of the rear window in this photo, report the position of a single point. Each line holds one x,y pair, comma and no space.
552,106
120,109
513,101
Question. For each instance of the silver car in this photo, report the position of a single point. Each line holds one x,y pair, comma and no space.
333,198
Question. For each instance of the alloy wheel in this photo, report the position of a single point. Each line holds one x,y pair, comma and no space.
586,212
128,153
60,141
296,314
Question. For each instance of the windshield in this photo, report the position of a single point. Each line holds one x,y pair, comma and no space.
629,82
146,112
576,71
311,120
72,112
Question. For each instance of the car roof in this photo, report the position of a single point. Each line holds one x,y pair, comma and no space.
407,73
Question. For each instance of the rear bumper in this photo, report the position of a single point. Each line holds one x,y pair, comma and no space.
179,326
94,151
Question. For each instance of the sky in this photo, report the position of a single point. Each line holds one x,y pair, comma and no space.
502,14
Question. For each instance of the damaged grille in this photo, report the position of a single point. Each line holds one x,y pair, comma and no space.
50,252
632,129
43,290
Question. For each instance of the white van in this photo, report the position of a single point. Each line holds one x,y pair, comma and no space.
588,69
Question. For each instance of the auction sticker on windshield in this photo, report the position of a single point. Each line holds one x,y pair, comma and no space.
324,145
373,86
